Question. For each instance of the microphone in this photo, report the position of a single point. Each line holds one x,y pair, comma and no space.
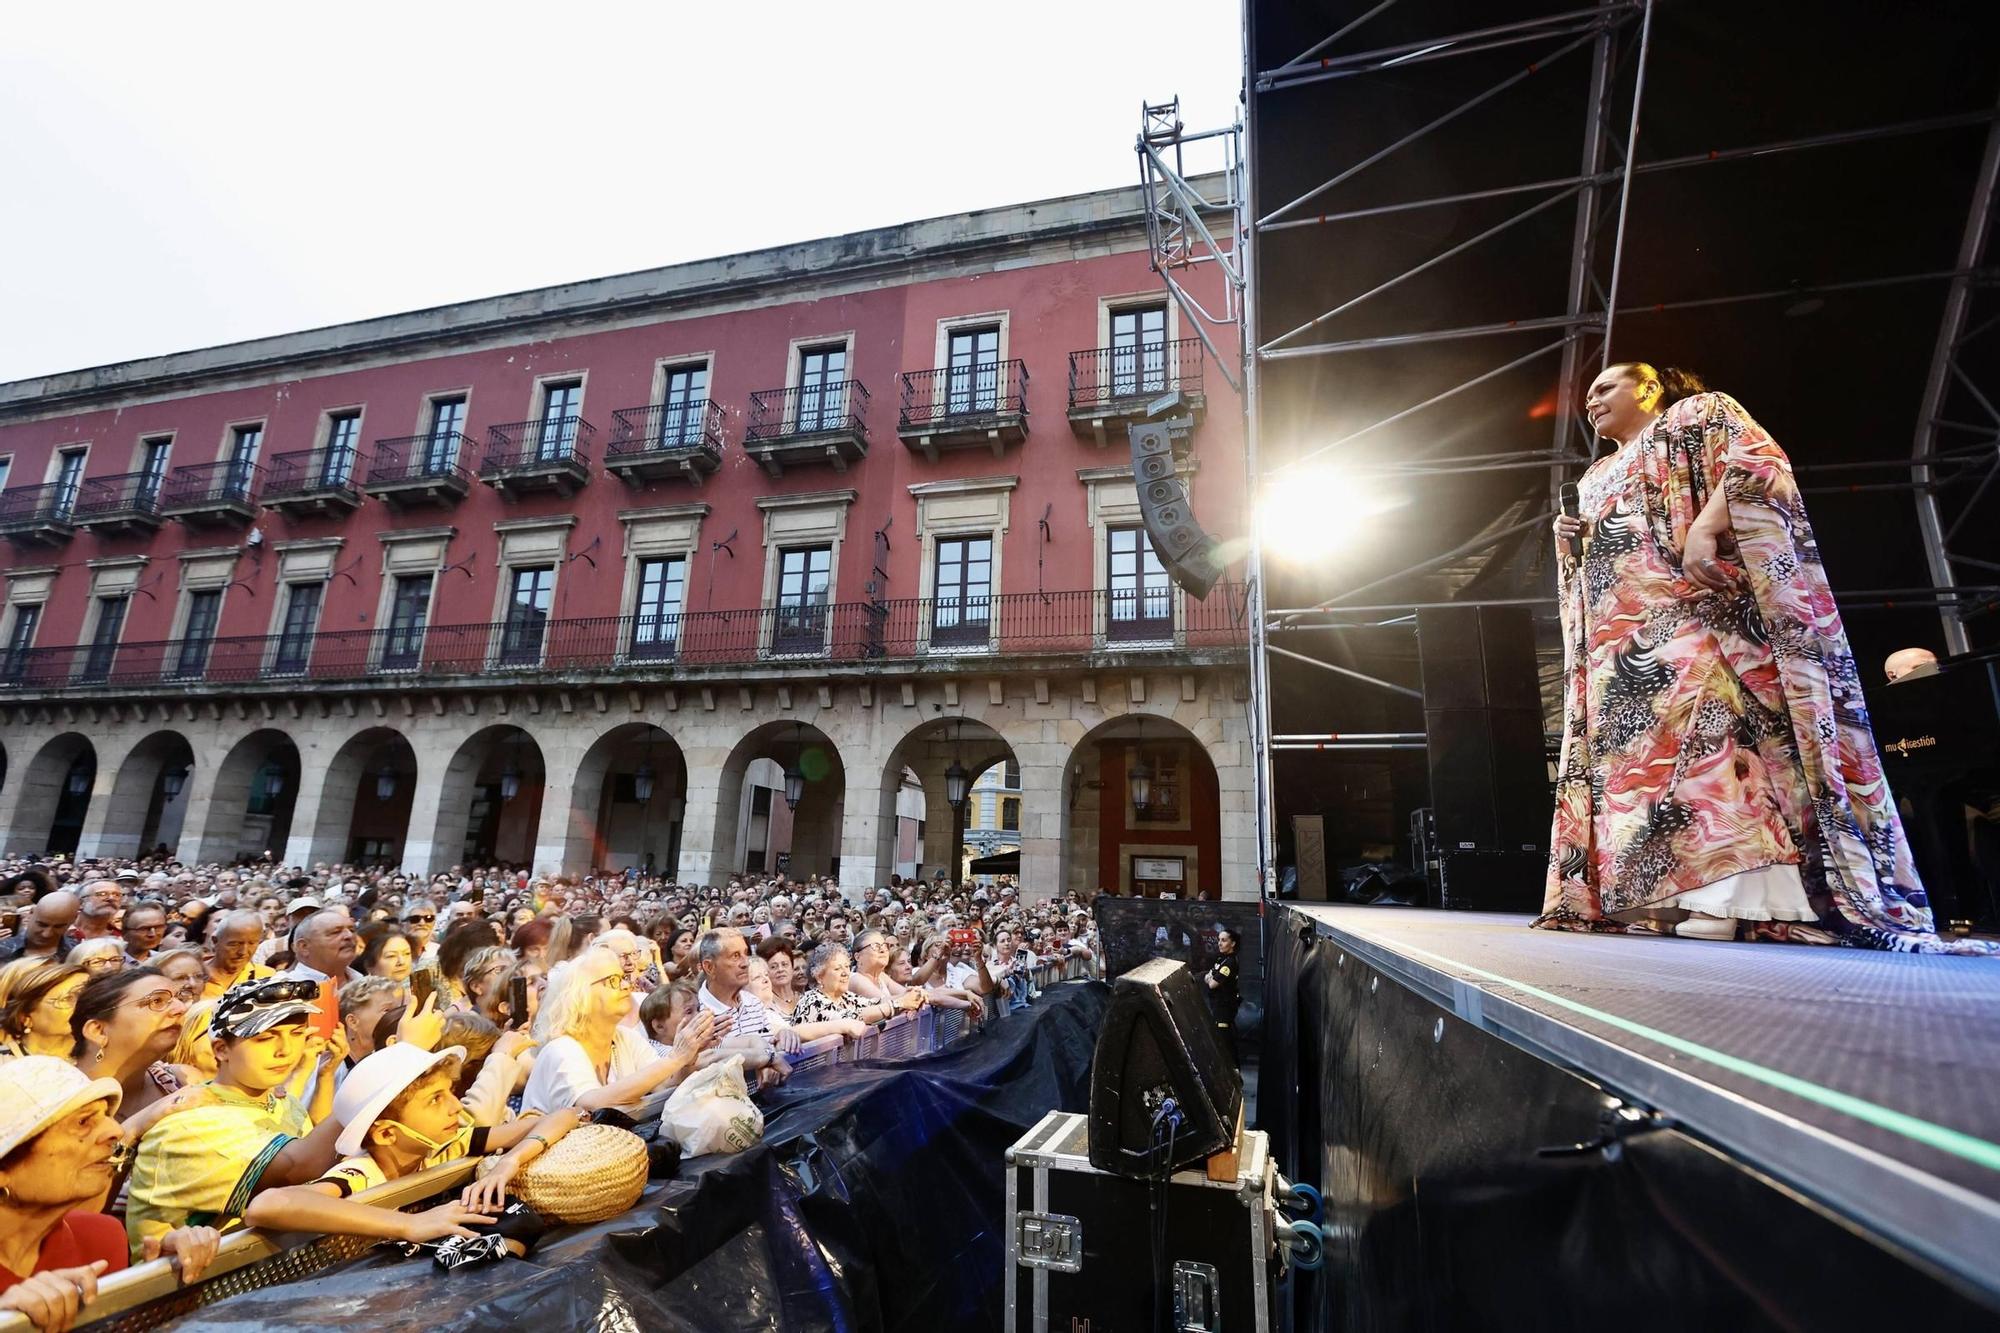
1569,498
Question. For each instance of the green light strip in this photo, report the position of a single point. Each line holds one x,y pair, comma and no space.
1973,1149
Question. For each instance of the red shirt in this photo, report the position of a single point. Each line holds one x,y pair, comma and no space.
79,1240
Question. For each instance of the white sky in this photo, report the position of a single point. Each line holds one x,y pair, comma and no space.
184,175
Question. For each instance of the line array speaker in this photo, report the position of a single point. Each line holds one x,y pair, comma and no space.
1189,554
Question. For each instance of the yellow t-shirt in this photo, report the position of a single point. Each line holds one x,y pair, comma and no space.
362,1172
212,990
200,1167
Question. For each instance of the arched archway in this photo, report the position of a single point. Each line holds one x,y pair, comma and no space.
251,802
1172,842
757,829
148,801
928,753
56,788
490,799
365,800
627,802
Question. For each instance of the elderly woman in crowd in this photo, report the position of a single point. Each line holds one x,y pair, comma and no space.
781,957
478,971
59,1148
832,998
98,956
873,949
386,952
461,941
590,1057
126,1024
36,1002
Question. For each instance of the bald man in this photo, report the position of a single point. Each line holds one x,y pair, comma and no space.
43,927
1909,663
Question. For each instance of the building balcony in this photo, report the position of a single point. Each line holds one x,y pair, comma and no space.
997,633
127,505
1111,387
412,471
803,427
665,442
313,482
204,495
535,457
38,515
964,407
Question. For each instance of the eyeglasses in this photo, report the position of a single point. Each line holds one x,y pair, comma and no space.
616,981
160,1001
419,920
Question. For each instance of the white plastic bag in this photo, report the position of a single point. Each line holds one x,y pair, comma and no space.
712,1112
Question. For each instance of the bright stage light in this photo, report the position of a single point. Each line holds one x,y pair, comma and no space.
1311,514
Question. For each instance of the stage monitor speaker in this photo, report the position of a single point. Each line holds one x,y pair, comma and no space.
1158,1041
1192,557
1490,798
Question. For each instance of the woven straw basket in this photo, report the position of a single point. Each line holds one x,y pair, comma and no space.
593,1172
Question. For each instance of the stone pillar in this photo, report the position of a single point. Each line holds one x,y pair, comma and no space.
117,814
321,814
421,849
708,825
559,769
218,795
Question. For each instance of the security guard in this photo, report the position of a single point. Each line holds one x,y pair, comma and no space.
1223,995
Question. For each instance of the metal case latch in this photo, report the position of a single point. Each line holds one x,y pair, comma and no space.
1197,1302
1050,1240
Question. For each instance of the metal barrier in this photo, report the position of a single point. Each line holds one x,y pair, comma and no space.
150,1294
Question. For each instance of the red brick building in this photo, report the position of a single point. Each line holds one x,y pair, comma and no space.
698,567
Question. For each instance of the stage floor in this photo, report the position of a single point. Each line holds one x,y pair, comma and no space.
1867,1081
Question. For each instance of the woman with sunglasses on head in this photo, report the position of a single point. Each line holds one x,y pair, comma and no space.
60,1149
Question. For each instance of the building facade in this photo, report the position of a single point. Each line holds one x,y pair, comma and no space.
714,567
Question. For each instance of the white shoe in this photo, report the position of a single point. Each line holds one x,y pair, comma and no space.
1700,926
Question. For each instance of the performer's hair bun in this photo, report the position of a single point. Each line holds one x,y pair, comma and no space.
1676,384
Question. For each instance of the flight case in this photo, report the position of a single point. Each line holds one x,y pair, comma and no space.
1079,1241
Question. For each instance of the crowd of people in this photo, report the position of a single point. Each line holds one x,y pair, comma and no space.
185,1049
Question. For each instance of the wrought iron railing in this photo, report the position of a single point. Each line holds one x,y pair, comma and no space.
417,458
521,445
331,468
963,395
128,493
230,481
51,502
1017,624
667,428
836,408
1105,375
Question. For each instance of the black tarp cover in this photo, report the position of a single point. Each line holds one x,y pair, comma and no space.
875,1202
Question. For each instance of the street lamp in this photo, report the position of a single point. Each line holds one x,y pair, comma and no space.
642,781
510,782
955,784
795,781
1140,778
172,781
79,782
385,783
274,784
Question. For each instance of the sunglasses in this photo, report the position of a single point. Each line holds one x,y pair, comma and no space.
419,920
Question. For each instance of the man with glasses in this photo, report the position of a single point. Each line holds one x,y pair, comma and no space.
420,920
103,901
144,926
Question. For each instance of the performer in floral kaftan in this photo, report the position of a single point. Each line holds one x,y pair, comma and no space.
1718,774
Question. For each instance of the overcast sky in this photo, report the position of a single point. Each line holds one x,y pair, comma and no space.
180,176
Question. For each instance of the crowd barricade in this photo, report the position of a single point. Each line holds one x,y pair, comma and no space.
150,1294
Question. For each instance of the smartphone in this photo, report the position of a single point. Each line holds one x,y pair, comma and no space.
517,1002
422,984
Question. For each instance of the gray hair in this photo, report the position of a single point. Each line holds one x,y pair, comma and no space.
870,936
709,947
822,956
246,916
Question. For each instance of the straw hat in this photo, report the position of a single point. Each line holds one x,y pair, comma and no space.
38,1090
592,1173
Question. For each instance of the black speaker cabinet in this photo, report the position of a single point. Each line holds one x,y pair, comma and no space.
1158,1041
1490,794
1189,554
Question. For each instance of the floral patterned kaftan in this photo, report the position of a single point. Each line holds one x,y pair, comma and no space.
1710,734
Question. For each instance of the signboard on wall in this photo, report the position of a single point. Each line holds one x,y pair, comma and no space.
1159,867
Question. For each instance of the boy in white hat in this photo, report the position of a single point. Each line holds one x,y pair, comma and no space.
400,1116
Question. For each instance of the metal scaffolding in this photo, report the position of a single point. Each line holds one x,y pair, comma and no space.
1956,454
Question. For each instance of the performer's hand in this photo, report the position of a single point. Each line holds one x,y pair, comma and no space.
1567,527
1701,559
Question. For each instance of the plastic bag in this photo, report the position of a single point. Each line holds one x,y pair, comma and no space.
712,1111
